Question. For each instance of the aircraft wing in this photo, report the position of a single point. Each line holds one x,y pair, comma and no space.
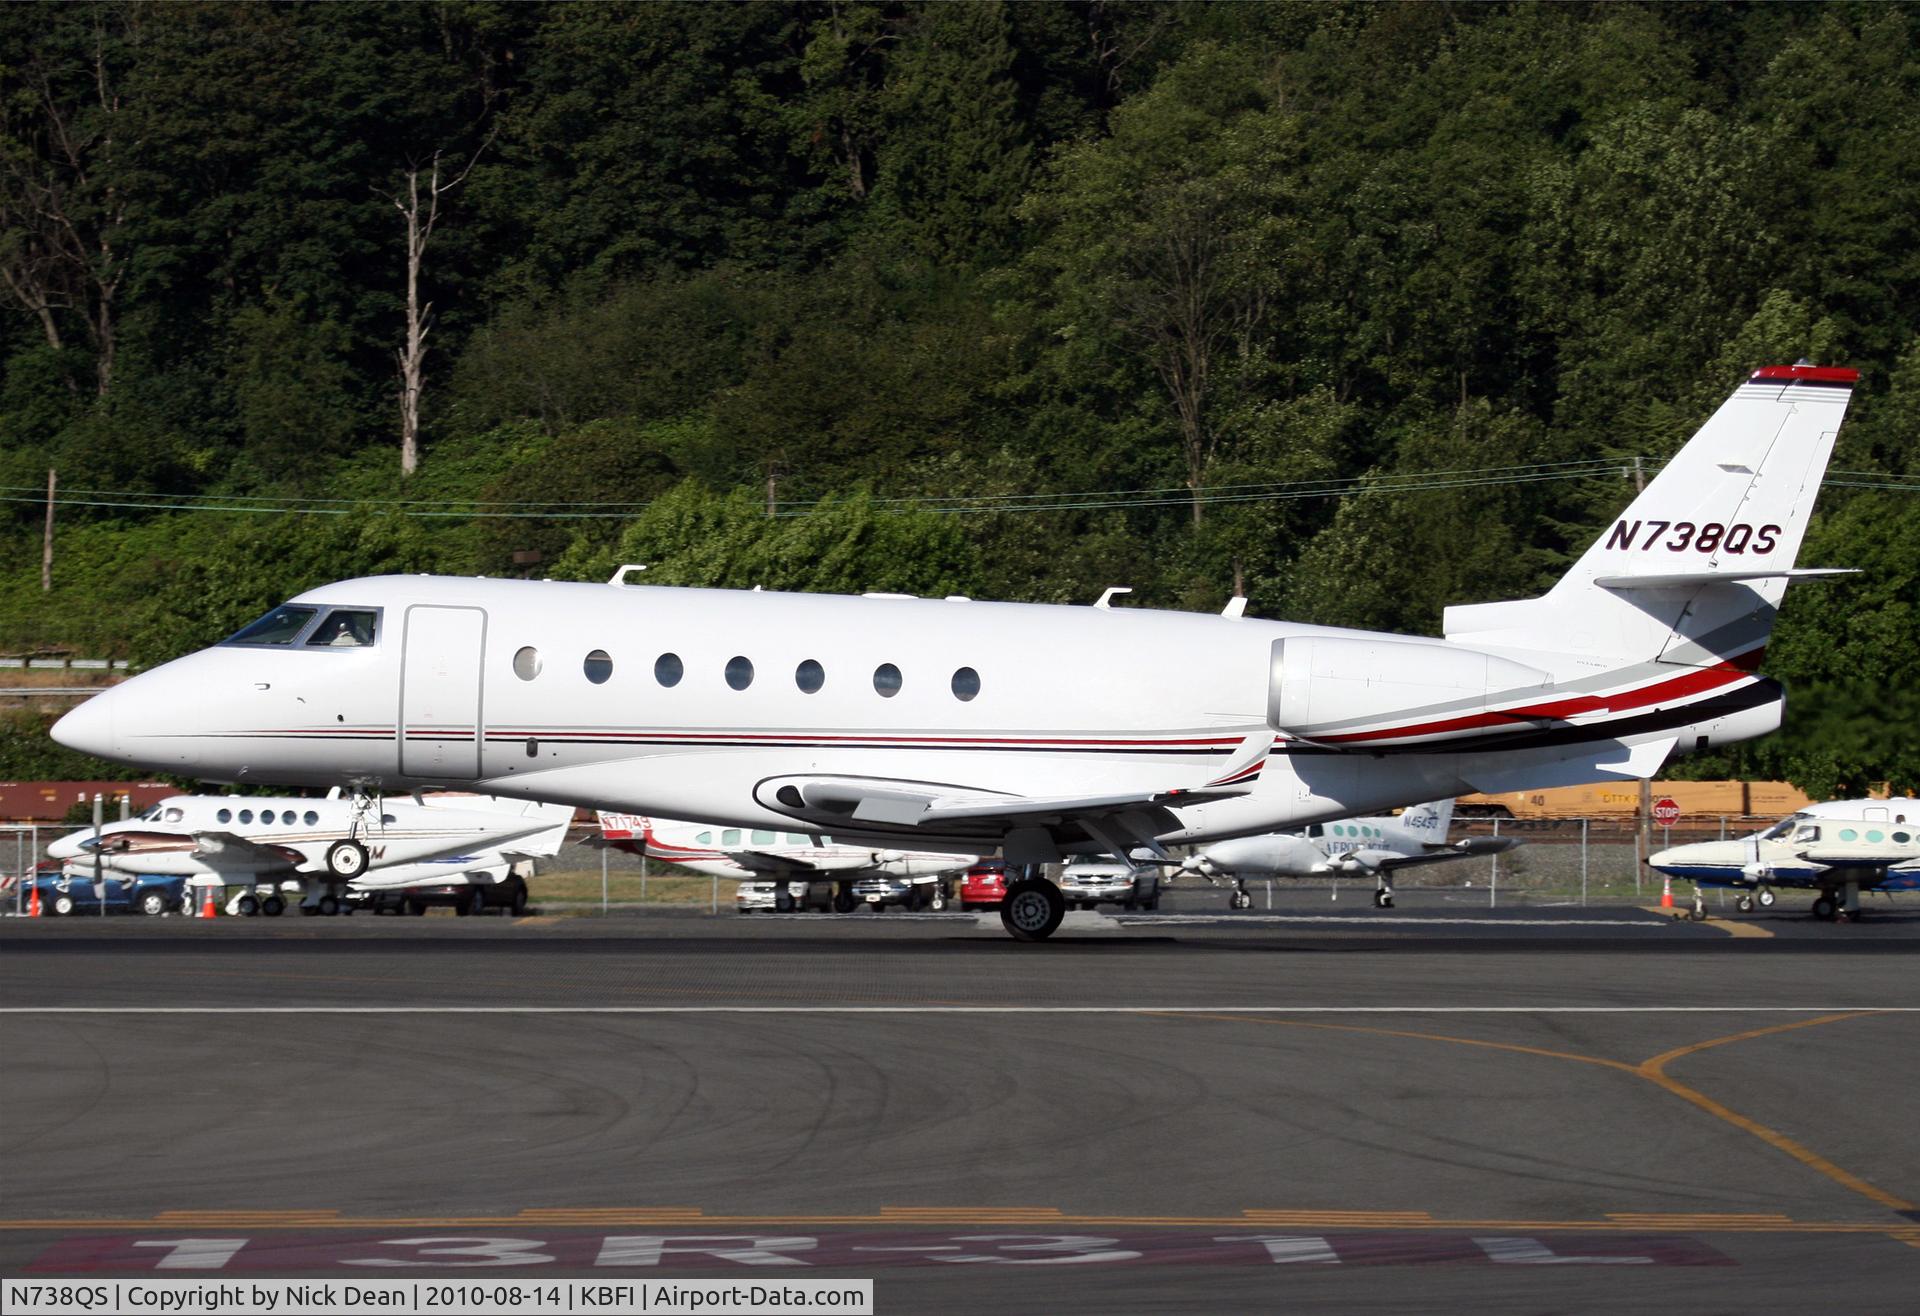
218,850
771,865
1467,847
1031,827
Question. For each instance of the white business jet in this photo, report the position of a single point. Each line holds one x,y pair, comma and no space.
329,846
1839,848
1034,730
1353,847
783,858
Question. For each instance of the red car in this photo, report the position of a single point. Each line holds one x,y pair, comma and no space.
984,886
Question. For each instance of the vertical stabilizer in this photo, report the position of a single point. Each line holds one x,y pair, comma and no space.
1429,821
1693,572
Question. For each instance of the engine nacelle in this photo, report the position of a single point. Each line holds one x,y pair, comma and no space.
1336,690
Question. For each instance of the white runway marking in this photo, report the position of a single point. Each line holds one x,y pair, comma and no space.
957,1009
1379,920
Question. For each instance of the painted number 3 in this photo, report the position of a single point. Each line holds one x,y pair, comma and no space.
1679,536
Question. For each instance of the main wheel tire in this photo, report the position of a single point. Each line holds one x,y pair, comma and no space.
273,907
1825,907
938,901
1765,896
328,906
843,902
416,907
1152,902
61,904
783,902
518,903
1033,909
151,903
346,859
247,906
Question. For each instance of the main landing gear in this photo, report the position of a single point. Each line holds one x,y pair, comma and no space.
1241,897
1033,909
1383,898
1840,904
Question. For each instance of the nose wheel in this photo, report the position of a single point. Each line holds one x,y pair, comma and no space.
1241,898
347,859
1383,898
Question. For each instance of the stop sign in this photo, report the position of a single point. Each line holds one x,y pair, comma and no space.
1666,812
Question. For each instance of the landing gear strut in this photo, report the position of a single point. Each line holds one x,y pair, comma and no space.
1383,898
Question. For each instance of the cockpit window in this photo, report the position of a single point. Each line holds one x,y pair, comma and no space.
1778,829
175,814
281,626
346,628
1806,832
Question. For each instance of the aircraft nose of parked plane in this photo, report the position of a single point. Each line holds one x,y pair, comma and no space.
70,846
90,727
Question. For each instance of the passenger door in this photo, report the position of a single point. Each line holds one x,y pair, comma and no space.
440,692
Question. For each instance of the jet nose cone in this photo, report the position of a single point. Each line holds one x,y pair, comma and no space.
89,728
67,847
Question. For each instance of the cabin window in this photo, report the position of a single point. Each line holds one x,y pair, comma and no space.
388,820
886,680
1316,831
809,676
1901,838
731,836
526,663
1875,837
668,669
281,626
794,838
311,818
705,838
966,684
246,815
598,667
739,672
1848,834
765,838
225,815
346,628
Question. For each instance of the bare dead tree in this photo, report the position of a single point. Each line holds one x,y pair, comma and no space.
419,206
60,213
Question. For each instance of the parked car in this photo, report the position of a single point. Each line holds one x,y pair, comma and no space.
508,897
878,893
71,892
801,896
1089,882
984,886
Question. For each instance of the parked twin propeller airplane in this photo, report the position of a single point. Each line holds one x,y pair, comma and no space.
765,855
1033,730
328,846
1839,848
1353,847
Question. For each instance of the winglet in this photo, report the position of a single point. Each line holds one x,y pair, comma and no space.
1243,769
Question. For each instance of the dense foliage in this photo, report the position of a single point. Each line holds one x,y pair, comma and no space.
1016,300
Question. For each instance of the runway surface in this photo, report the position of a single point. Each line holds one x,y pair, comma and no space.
1526,1110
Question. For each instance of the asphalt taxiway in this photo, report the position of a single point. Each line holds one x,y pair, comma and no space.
1523,1109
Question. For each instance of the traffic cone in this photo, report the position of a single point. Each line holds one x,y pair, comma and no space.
33,901
1666,893
209,910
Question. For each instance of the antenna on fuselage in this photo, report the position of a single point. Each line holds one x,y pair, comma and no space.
620,576
1105,601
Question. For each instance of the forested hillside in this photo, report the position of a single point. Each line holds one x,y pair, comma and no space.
1369,308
